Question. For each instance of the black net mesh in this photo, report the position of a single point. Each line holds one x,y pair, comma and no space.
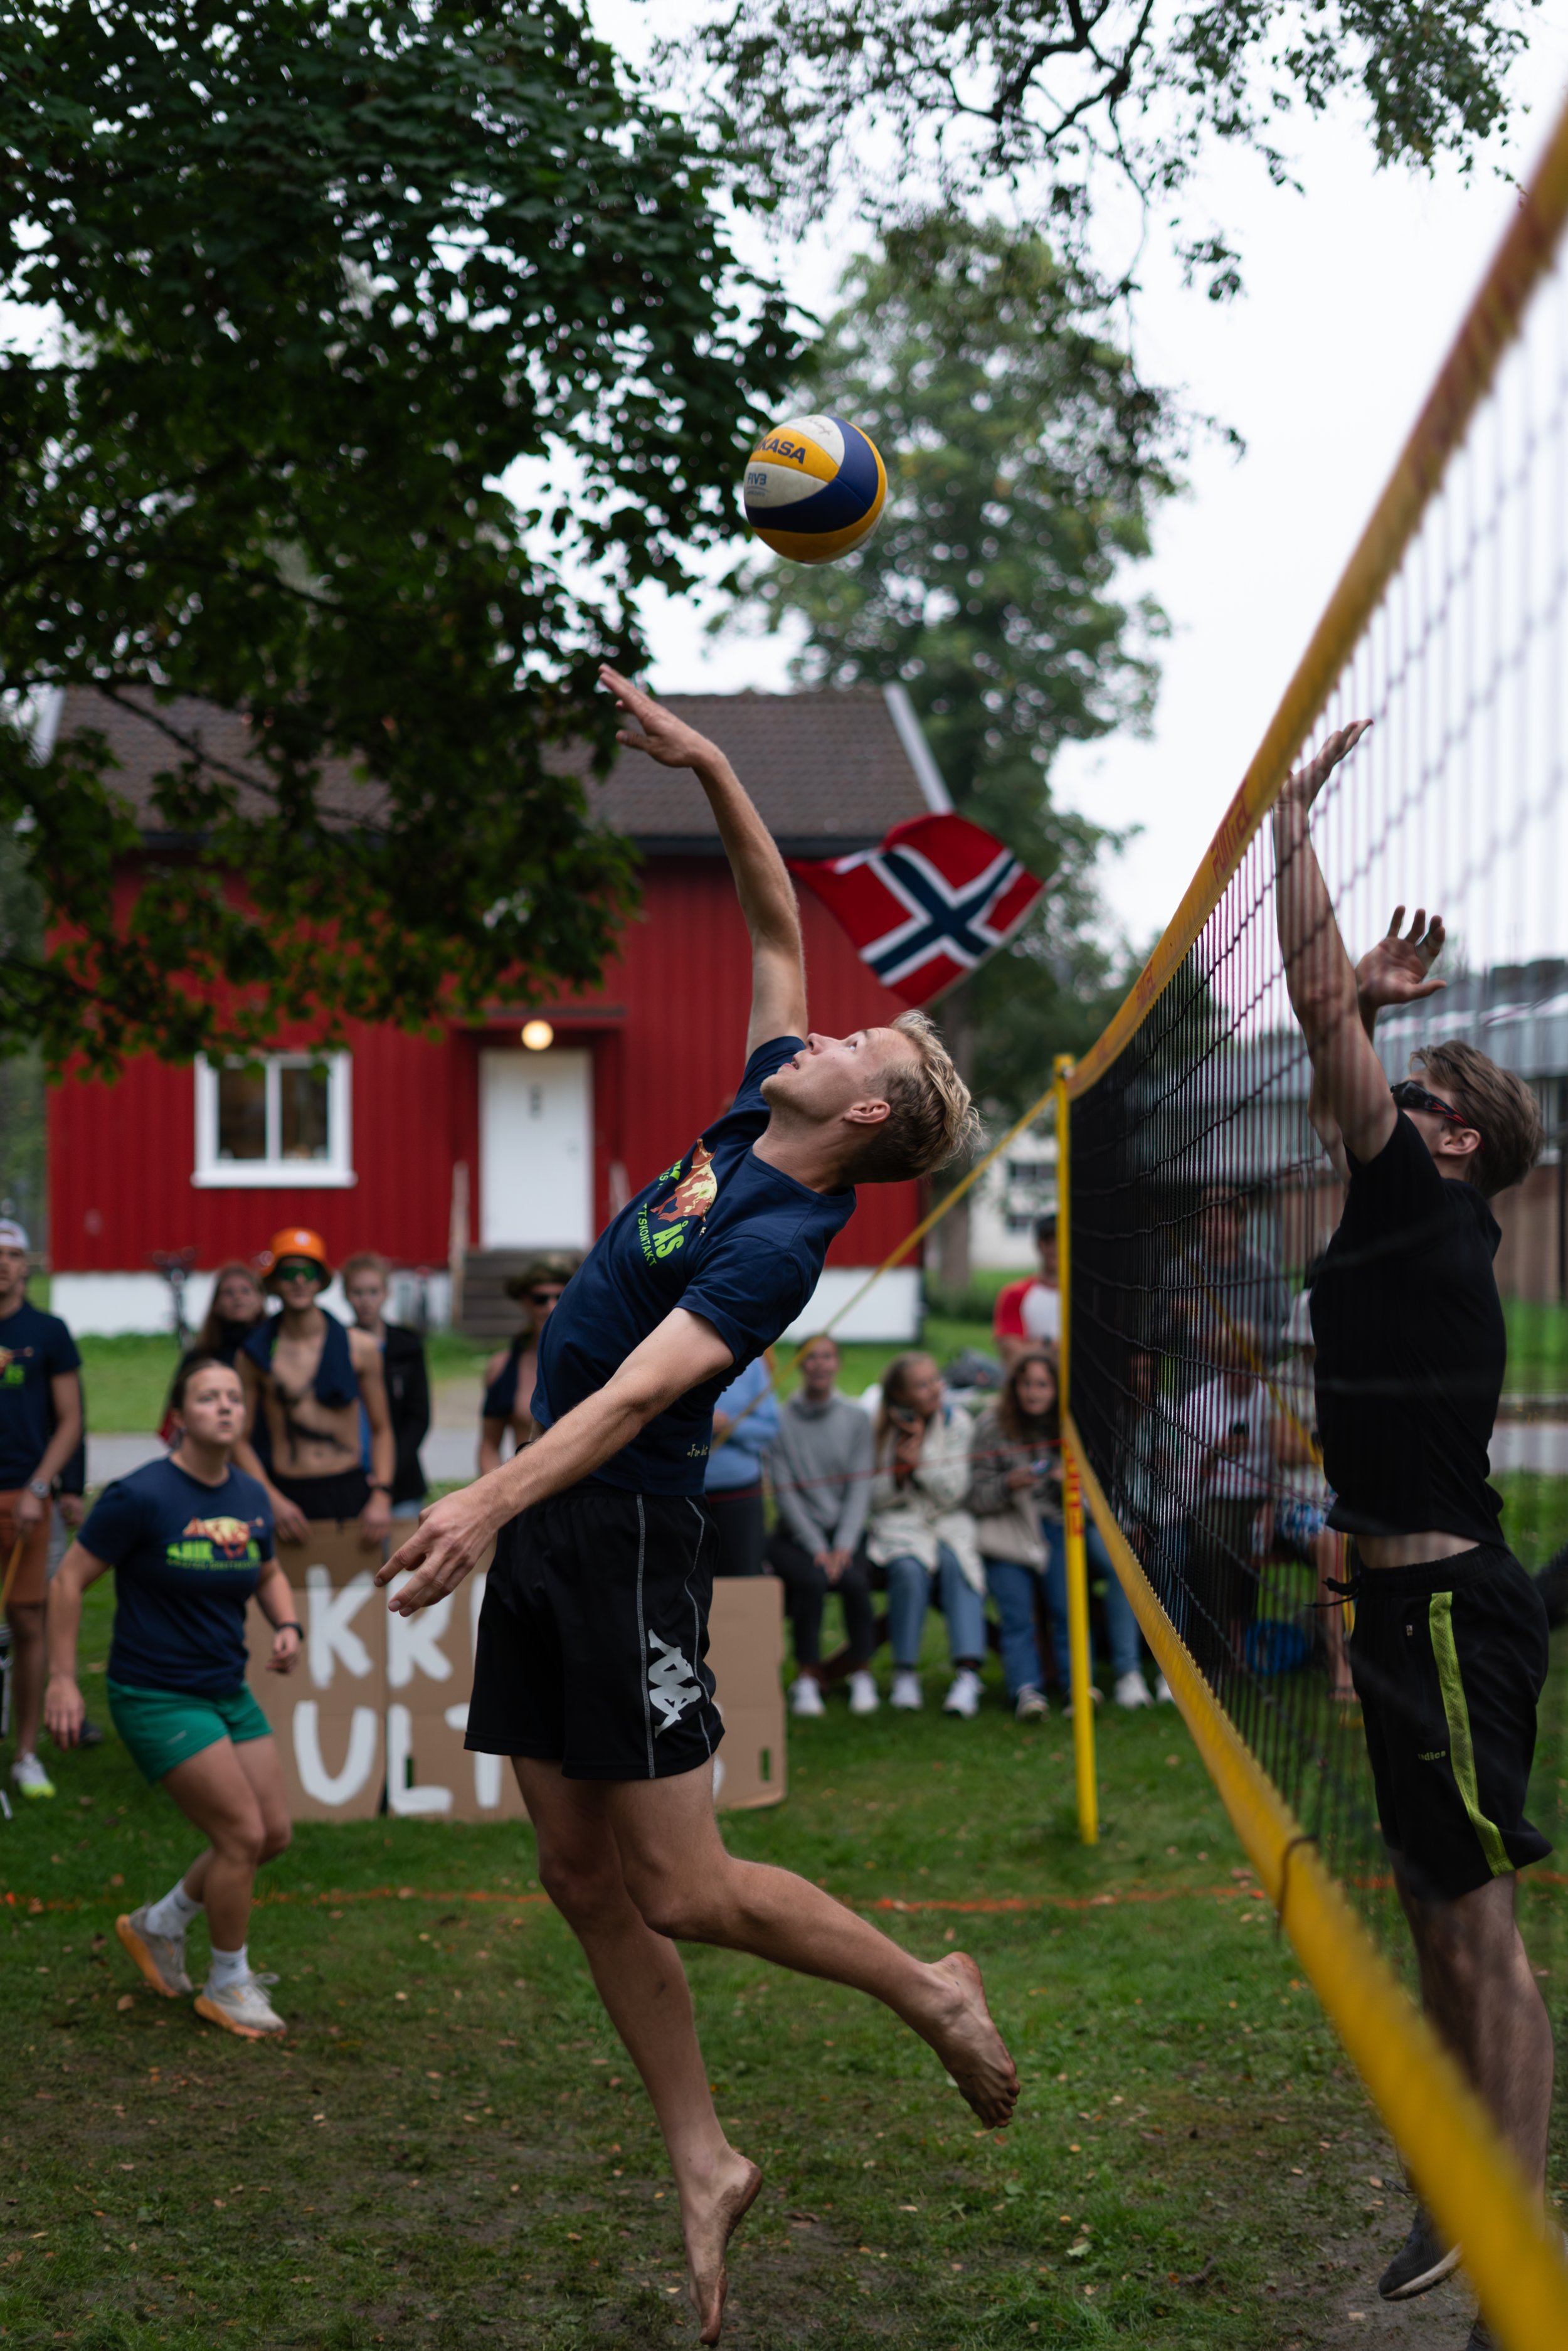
1201,1196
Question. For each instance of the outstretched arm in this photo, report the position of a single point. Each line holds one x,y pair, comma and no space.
1349,1092
453,1536
762,880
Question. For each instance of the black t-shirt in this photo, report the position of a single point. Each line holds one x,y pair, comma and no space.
1411,1350
186,1559
33,1348
720,1233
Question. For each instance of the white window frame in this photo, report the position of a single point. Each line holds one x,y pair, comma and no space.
333,1174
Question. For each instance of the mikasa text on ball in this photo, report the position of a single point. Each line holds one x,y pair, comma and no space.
814,488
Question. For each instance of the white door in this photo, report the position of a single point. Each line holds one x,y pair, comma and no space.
535,1155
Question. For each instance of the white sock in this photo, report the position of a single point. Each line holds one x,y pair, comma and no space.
227,1967
175,1913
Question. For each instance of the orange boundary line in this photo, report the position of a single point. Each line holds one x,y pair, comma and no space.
978,1904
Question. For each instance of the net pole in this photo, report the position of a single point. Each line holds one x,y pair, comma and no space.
1077,1558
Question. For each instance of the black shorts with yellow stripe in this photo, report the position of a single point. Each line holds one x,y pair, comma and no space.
1449,1659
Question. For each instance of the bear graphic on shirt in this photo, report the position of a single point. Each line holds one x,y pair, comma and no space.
695,1195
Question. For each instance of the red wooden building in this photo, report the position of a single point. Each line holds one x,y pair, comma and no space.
456,1154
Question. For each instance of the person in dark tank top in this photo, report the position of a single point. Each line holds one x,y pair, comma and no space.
1448,1653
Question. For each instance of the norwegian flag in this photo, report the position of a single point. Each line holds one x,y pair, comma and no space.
929,906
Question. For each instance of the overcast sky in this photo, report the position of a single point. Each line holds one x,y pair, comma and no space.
1353,290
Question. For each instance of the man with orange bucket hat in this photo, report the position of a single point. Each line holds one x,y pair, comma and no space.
307,1377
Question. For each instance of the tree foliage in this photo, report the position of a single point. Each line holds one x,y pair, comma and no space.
1024,460
312,275
971,93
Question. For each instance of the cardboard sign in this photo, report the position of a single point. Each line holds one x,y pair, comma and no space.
374,1713
745,1651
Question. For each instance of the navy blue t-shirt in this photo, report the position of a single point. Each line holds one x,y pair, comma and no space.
33,1348
187,1558
720,1233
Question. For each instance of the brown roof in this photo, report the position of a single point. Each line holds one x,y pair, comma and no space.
829,770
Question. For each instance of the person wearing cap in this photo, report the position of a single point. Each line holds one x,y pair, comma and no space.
509,1376
40,1428
305,1380
1028,1313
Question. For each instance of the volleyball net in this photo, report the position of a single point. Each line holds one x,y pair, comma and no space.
1197,1196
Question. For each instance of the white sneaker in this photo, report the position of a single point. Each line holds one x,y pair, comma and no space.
806,1694
863,1698
1097,1697
1132,1691
963,1698
906,1693
1164,1694
31,1777
241,2007
1030,1704
160,1958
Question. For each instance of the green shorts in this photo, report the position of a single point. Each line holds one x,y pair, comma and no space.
162,1728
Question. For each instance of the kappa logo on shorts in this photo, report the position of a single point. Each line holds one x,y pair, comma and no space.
672,1684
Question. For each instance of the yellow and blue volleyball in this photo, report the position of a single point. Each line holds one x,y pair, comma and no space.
814,488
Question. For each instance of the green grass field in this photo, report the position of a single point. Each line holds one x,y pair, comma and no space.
449,2146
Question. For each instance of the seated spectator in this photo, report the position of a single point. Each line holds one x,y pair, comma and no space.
820,1464
918,1528
745,1423
1226,1478
509,1377
1304,1498
407,1379
1014,1484
1028,1313
1016,1492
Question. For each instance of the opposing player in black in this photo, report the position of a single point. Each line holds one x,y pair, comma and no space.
1449,1652
590,1671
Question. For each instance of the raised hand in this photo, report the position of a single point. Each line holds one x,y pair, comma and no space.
1304,783
657,731
1397,969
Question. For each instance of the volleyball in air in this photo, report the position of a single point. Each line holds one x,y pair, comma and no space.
814,488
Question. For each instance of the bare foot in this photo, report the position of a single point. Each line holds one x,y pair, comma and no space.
709,2222
969,2045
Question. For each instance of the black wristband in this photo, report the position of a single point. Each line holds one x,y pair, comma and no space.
291,1627
379,1486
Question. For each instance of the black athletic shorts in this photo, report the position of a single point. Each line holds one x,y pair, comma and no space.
593,1638
344,1494
1448,1659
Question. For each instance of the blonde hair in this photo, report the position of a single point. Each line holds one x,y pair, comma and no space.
930,1116
1500,1107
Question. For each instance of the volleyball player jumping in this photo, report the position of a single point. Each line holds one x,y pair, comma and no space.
1449,1649
590,1670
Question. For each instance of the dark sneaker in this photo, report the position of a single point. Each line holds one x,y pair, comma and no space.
1423,2260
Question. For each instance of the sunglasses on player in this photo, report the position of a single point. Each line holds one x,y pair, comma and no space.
1408,1096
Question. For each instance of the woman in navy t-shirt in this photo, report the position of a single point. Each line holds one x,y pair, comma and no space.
189,1539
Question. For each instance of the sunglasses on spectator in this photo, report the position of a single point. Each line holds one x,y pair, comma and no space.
1408,1096
298,1269
543,1297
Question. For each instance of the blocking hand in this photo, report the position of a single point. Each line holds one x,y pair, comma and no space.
1395,971
1305,782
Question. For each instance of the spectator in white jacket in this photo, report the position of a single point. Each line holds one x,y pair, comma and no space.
918,1528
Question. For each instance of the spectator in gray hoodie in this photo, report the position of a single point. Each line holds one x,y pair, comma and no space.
820,1464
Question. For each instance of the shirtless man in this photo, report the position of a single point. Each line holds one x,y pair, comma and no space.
308,1376
590,1670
